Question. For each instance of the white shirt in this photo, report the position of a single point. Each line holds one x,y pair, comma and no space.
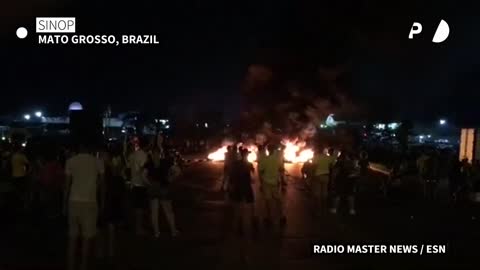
84,170
136,163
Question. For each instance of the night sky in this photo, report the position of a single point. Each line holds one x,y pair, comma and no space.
206,48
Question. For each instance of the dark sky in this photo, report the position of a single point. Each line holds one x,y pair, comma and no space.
206,47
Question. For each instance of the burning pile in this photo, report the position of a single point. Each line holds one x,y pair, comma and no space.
294,152
218,155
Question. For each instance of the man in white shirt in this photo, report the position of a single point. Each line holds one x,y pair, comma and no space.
136,163
84,178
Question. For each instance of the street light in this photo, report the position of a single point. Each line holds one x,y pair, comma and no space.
442,122
38,114
27,116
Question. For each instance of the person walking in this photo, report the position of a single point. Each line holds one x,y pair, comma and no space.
115,196
161,170
242,197
20,167
136,163
84,179
51,180
230,157
323,163
269,171
344,182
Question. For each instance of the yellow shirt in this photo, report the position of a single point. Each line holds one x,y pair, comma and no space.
322,164
270,167
19,165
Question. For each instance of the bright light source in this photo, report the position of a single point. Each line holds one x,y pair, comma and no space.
380,126
206,125
3,138
442,122
429,136
24,144
38,114
167,126
330,122
27,116
124,131
393,125
421,137
75,106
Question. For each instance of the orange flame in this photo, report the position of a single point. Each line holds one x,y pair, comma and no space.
292,153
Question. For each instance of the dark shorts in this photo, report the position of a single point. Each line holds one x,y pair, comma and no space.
242,195
158,191
20,184
139,197
345,187
114,213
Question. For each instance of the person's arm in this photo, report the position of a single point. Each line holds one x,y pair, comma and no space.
282,177
252,171
102,188
261,171
27,165
146,167
67,187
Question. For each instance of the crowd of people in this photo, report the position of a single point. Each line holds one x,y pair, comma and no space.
331,176
95,188
92,186
334,175
430,167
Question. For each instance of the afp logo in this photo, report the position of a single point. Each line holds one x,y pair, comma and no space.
443,30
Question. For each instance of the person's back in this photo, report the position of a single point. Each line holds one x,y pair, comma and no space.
421,164
19,165
52,173
270,168
363,163
323,164
137,161
162,171
84,170
240,176
230,157
117,166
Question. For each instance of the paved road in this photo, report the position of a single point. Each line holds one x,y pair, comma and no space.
205,242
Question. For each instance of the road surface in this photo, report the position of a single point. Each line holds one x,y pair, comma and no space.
202,217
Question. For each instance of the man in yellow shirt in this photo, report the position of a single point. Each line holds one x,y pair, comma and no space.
322,165
20,164
270,170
